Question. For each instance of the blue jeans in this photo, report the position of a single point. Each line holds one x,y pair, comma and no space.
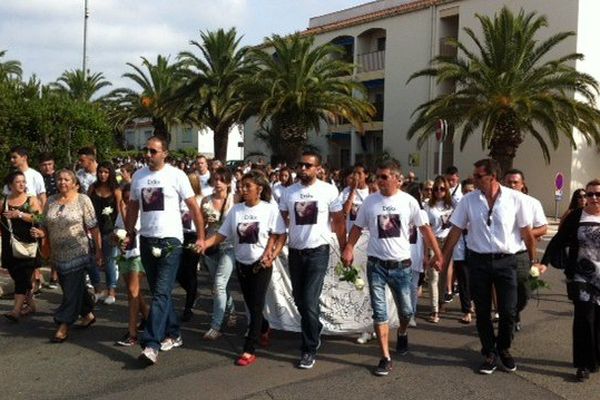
307,272
399,280
220,266
110,253
161,272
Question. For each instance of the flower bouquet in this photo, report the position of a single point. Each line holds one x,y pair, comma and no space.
350,274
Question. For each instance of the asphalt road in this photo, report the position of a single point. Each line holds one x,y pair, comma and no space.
441,363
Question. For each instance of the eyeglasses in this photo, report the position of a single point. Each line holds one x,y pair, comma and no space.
305,165
439,189
479,176
489,217
513,182
383,177
151,151
593,194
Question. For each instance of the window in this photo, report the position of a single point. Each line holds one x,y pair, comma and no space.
381,44
130,138
147,134
188,136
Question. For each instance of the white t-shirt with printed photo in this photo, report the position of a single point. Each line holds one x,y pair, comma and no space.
308,208
439,219
388,219
159,194
359,197
417,244
250,227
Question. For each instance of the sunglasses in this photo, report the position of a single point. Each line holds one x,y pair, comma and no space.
60,210
593,194
149,150
383,177
304,165
439,189
479,176
489,217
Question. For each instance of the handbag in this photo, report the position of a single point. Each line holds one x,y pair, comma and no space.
20,250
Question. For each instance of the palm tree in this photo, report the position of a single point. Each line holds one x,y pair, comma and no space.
211,91
510,88
9,69
299,87
79,85
157,88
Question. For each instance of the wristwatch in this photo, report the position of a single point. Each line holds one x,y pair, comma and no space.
534,261
20,214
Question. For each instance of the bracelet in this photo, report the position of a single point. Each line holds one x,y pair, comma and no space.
20,214
534,261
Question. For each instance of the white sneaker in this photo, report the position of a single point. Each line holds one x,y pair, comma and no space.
170,343
412,322
110,300
364,338
212,334
149,356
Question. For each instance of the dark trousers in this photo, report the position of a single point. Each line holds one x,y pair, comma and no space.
586,335
523,288
22,277
464,291
187,276
486,271
254,287
307,273
76,300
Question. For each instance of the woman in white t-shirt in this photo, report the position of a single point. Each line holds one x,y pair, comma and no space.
439,209
258,234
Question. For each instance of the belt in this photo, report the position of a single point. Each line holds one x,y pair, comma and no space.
493,256
521,252
390,264
311,250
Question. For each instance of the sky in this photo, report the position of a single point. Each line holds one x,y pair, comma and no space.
46,36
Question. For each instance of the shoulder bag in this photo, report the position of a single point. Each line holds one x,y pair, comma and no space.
20,250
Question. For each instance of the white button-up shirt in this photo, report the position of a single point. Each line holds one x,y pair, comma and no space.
509,214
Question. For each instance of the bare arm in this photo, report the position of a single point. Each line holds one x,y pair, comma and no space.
348,204
539,231
285,215
348,252
451,241
133,208
214,240
338,225
432,243
42,199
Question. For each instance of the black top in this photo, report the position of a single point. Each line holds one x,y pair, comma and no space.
50,184
106,220
21,231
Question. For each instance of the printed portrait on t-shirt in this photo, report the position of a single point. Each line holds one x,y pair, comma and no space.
353,212
445,221
388,226
248,232
306,212
186,220
153,199
412,234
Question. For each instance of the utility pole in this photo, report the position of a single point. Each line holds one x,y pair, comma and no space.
86,15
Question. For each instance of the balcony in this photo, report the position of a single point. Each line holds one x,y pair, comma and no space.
373,61
446,49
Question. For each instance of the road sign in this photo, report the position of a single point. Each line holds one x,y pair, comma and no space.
440,129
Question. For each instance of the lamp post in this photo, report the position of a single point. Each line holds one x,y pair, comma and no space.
86,15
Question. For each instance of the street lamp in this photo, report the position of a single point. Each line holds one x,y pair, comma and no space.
86,15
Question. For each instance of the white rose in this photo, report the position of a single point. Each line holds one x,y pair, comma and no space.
121,234
156,252
359,284
107,210
534,272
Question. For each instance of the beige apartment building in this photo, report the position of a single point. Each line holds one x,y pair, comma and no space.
389,40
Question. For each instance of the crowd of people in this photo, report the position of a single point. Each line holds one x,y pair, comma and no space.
156,220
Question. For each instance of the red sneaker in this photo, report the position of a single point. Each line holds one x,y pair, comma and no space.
245,361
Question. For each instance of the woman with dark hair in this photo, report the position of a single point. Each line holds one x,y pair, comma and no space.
18,211
577,239
285,179
258,234
69,215
578,201
106,198
439,209
220,259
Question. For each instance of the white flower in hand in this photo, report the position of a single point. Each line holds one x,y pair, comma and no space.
534,272
359,283
107,210
156,252
121,234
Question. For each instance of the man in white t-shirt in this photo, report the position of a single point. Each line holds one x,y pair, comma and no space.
89,165
156,193
515,180
498,220
308,206
204,175
388,215
19,158
354,195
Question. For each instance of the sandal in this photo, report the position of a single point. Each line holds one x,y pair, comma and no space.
434,318
466,319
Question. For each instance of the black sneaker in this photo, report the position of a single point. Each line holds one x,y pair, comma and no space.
489,365
127,340
402,345
448,297
307,361
187,315
582,374
508,362
384,367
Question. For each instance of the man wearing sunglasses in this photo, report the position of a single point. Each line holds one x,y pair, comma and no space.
308,207
387,215
156,194
515,180
499,220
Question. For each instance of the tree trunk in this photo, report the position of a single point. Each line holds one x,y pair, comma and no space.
220,140
161,130
505,142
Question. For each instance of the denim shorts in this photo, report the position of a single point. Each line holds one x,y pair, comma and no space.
399,280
